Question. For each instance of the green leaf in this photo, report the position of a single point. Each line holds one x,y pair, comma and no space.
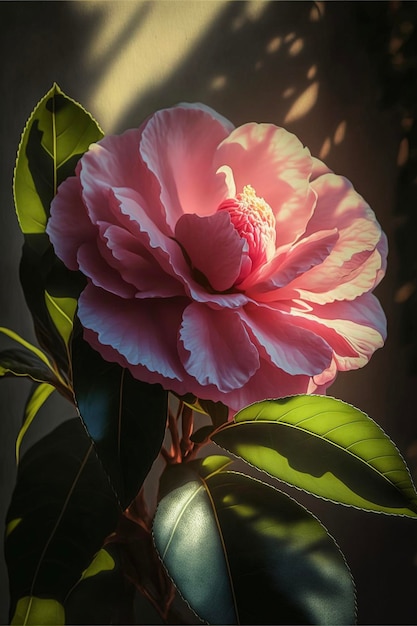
34,611
126,418
31,353
50,291
325,447
241,552
104,595
23,363
37,398
28,361
57,133
102,562
61,511
62,312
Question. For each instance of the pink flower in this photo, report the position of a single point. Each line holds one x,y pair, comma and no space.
224,262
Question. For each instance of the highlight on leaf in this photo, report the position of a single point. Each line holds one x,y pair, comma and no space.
33,611
26,360
326,447
62,311
242,552
36,400
57,133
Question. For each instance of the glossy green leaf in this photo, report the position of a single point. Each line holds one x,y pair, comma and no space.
36,400
23,363
34,357
104,594
325,447
33,611
126,418
61,511
62,312
57,133
50,291
102,562
241,552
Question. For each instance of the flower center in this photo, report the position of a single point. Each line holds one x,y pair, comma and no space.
254,220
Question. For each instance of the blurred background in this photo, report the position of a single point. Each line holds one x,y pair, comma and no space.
340,75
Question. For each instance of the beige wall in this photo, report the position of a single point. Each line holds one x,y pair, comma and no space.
298,64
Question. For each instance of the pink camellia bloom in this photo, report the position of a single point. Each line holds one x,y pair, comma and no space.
224,262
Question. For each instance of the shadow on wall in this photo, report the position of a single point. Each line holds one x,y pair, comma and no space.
329,72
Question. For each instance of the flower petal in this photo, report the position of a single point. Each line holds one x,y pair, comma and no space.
177,146
217,349
213,246
353,329
69,226
268,382
137,266
275,163
357,262
293,349
92,263
167,252
294,261
144,332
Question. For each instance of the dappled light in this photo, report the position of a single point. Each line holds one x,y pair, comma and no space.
340,133
303,104
403,152
150,27
296,47
274,45
218,82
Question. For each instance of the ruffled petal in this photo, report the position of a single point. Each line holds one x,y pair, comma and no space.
144,332
92,263
289,264
353,329
137,266
291,348
357,262
275,163
216,348
267,383
69,226
213,246
177,146
167,252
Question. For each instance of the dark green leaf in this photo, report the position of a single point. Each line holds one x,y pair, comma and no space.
326,447
56,135
40,274
61,511
39,395
241,552
103,595
126,418
23,362
218,411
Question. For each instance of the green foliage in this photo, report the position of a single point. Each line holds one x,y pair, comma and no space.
326,447
61,511
62,312
40,393
125,418
57,133
25,359
241,552
48,288
31,610
103,595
